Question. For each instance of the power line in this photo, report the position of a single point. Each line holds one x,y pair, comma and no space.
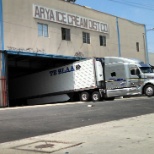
137,5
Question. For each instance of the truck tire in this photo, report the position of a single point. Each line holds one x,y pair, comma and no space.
149,90
96,96
84,96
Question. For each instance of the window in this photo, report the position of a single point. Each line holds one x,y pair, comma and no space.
86,37
102,40
146,69
113,74
65,34
42,30
135,71
137,46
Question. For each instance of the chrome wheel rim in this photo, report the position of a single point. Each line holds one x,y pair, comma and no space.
84,97
95,97
149,91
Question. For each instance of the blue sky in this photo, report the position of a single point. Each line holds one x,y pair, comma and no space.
140,11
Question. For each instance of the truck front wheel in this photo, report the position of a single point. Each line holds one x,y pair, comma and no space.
149,90
96,96
84,96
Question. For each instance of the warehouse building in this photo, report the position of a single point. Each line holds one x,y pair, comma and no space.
39,34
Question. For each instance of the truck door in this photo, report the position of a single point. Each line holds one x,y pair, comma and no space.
135,76
115,76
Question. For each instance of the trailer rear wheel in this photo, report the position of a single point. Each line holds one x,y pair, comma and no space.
85,96
96,96
149,90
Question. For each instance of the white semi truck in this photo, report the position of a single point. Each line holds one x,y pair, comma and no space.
90,79
145,74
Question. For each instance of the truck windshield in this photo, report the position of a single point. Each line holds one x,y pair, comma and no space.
146,69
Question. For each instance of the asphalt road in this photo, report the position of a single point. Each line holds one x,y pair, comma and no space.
24,122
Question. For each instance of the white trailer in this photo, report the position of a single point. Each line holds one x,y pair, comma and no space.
91,79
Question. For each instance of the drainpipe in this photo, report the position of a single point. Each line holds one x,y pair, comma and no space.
146,45
118,34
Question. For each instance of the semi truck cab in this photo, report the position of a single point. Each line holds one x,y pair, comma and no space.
144,72
147,78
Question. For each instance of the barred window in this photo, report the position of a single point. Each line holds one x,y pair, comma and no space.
137,46
102,40
65,34
86,37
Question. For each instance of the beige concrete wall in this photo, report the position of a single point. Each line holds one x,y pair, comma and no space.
130,33
20,31
151,58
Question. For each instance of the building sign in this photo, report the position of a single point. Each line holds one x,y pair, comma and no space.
53,15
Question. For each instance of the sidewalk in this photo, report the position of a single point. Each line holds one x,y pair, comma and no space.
127,136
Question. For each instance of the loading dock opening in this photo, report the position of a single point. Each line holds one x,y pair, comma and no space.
21,64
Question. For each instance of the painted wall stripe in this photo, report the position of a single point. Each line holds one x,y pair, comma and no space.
2,38
3,60
34,54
